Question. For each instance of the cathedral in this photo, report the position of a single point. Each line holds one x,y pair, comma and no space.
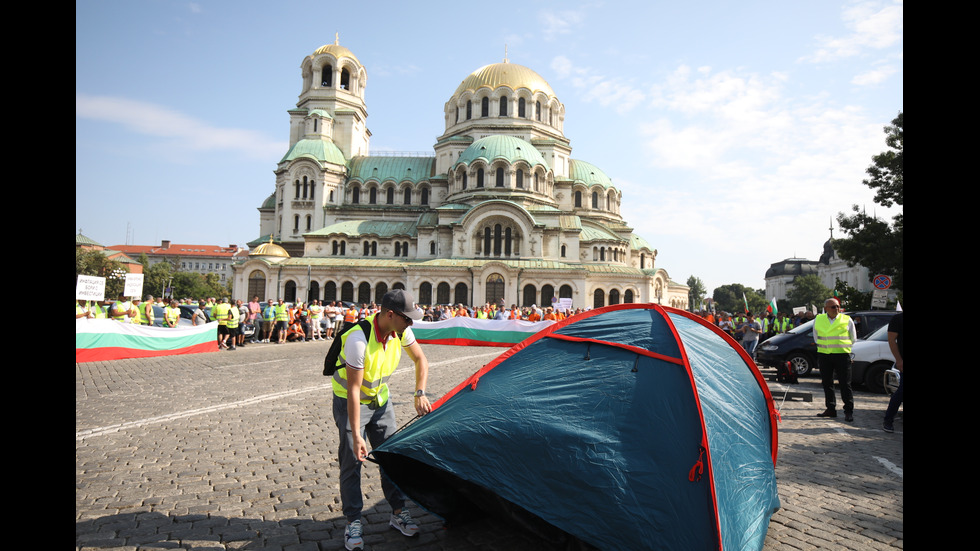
500,210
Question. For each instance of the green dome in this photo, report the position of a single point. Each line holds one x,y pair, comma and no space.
587,174
509,148
321,150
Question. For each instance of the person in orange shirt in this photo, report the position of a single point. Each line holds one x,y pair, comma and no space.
515,314
549,314
461,311
534,315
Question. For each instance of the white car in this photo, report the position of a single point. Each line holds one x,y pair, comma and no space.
871,357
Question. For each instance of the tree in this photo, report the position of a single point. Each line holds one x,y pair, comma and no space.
873,243
96,263
729,298
696,294
807,290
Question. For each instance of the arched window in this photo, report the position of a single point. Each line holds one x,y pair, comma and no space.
345,79
479,177
497,239
379,291
290,291
462,294
599,299
495,288
536,182
500,177
313,293
306,187
485,107
530,295
398,248
347,292
521,110
565,291
563,251
547,293
520,179
537,110
595,200
464,179
442,293
390,196
469,110
309,222
425,194
355,197
364,293
432,247
486,241
578,199
643,259
330,291
373,196
614,296
628,296
296,223
256,285
326,75
425,293
503,107
408,196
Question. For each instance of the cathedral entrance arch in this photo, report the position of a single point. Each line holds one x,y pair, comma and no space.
495,288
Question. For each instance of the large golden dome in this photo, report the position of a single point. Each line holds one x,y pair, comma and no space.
269,249
506,74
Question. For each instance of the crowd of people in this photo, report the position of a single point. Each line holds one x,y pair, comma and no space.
750,330
496,311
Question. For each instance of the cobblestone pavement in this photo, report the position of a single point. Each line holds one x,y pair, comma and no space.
236,450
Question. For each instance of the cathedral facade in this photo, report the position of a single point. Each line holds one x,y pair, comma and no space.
499,211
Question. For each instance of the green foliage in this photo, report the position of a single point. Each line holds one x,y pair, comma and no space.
807,290
873,243
185,284
728,298
696,294
851,298
96,263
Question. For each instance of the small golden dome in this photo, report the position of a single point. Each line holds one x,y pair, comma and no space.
269,249
336,50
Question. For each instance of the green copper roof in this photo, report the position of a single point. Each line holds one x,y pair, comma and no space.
595,232
587,174
380,228
502,147
320,112
637,242
319,150
400,169
270,202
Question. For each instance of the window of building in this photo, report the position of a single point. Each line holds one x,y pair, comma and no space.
500,177
520,179
485,107
578,199
503,107
469,110
326,75
373,196
479,177
521,108
425,194
408,196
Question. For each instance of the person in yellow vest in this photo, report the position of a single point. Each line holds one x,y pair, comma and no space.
146,309
121,309
171,314
234,316
368,361
834,333
98,310
268,320
137,312
282,320
82,309
220,312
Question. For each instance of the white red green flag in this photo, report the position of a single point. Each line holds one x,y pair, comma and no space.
101,339
476,332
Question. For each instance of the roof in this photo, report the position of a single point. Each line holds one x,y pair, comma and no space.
792,267
81,240
335,50
587,174
269,249
400,169
380,228
592,231
176,249
511,75
502,147
321,150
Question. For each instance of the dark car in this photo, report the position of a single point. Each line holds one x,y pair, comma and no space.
797,347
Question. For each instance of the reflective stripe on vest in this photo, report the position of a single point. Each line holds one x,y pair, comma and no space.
379,363
833,337
282,312
232,322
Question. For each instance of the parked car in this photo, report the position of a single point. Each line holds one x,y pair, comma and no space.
797,347
871,357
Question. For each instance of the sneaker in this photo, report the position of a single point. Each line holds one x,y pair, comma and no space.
887,427
352,536
403,523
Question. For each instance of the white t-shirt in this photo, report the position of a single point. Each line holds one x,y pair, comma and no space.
357,343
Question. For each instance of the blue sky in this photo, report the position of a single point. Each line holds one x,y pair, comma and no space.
735,130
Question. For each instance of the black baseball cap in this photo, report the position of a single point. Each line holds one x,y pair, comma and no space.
401,301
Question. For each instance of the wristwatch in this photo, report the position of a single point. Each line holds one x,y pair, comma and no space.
419,393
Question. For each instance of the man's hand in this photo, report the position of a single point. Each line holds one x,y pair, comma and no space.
422,405
359,446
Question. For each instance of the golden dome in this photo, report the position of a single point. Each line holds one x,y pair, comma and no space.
336,50
269,249
506,74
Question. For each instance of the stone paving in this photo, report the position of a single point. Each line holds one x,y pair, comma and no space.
236,450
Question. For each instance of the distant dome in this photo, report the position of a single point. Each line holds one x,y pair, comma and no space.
792,267
588,174
502,147
506,74
269,249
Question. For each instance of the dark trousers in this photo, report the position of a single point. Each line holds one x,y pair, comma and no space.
839,366
897,398
376,426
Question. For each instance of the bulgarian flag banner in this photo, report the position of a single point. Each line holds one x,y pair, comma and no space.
100,339
476,332
772,307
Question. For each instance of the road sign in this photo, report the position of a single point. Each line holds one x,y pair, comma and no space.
882,282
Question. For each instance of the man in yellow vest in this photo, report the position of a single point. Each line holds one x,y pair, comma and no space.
171,314
369,360
282,320
220,312
234,317
834,333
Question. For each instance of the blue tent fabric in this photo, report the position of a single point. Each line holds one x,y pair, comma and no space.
629,427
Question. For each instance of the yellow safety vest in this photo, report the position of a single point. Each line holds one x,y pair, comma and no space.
97,310
171,314
220,313
235,314
833,337
124,308
379,363
139,315
282,312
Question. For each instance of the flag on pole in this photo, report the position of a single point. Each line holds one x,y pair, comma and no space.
772,307
746,301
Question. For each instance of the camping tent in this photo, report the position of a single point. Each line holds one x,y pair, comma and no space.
627,427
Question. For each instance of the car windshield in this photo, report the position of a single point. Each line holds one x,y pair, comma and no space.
802,328
880,335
